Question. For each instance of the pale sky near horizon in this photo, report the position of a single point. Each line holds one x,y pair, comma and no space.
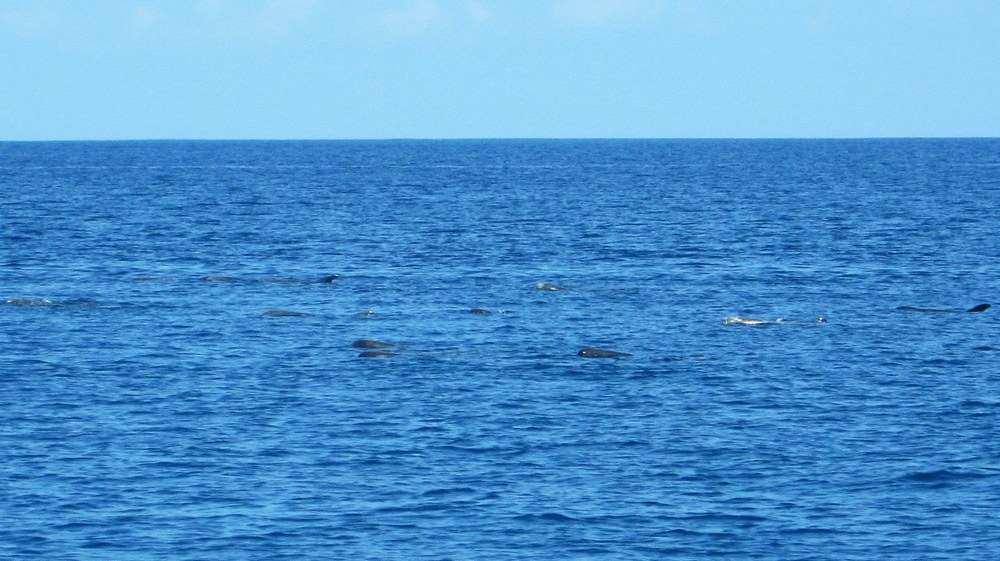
358,69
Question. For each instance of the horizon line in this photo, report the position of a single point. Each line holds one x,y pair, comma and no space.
501,138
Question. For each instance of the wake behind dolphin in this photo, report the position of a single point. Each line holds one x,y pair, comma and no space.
377,354
740,320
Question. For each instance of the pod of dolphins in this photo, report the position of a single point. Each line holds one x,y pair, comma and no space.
381,349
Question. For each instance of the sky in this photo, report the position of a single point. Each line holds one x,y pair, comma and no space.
374,69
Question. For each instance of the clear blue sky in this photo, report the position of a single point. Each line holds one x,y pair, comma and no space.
234,69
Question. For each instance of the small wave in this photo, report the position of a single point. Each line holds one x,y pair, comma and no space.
811,531
76,526
943,477
728,518
423,507
497,450
978,404
684,532
931,476
546,518
99,544
589,552
449,491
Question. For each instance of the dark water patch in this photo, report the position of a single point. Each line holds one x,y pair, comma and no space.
99,544
460,491
975,404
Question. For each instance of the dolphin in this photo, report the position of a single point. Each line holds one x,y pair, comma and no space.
593,352
221,278
549,286
327,279
284,313
29,302
979,308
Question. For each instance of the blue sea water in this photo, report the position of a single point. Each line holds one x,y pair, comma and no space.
150,410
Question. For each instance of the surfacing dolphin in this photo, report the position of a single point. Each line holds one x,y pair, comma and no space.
594,352
371,344
326,279
284,314
29,302
979,308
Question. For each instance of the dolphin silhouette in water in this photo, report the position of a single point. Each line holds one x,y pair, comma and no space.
285,314
327,279
979,308
371,344
593,352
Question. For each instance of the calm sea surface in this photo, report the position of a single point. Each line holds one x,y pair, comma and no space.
151,410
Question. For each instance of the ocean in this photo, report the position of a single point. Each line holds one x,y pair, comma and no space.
179,381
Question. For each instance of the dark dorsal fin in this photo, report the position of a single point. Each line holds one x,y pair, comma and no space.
979,308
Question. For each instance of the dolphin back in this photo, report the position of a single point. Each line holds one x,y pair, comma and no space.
593,352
